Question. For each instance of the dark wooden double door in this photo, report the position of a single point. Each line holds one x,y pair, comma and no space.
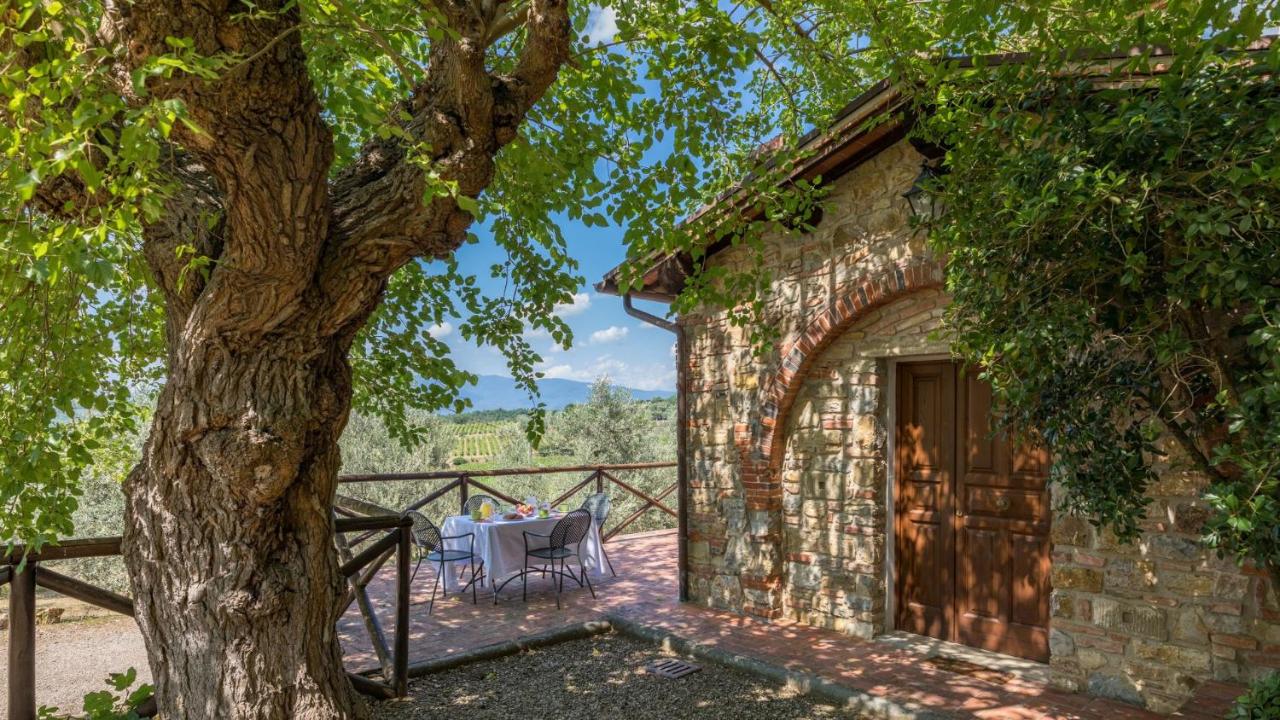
971,518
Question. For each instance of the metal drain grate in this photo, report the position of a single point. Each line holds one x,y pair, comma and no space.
672,668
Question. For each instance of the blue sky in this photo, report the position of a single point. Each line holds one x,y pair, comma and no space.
607,341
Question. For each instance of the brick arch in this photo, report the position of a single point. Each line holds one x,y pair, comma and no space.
760,446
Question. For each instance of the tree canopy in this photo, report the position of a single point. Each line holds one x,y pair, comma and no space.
641,127
1122,293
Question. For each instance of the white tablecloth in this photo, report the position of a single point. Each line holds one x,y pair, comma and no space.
500,543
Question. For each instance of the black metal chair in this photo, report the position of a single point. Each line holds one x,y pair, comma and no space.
562,543
598,505
476,501
431,547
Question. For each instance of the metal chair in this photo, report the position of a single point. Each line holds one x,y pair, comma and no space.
476,501
431,547
598,505
562,543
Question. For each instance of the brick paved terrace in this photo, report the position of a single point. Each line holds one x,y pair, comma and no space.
646,566
912,679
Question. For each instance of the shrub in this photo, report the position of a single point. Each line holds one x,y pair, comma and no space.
121,702
1262,702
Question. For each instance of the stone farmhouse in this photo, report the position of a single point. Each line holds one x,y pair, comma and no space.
849,480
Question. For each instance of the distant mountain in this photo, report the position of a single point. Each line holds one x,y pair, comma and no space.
495,392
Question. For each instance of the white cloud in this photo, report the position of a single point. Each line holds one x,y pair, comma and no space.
579,305
613,333
440,330
651,376
565,371
602,25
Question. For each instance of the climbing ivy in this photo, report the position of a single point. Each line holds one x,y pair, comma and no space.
1113,250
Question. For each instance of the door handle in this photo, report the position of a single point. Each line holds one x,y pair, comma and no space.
1002,503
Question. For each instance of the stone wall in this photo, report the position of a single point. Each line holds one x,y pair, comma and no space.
1147,621
735,522
787,490
834,490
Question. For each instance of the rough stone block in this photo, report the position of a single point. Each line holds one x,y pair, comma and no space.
1091,660
1061,645
862,629
734,512
1231,585
1063,605
699,551
1131,618
1072,530
1066,681
1075,578
1193,585
808,577
725,592
1189,626
1128,576
1114,686
1172,547
1174,656
1178,483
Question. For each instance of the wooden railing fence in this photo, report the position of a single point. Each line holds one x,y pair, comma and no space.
22,572
379,536
466,482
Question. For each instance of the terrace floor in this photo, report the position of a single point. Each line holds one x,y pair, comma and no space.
903,676
645,562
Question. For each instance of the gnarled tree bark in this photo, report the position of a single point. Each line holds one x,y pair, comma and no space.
229,525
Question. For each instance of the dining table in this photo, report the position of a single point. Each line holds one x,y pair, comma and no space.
499,543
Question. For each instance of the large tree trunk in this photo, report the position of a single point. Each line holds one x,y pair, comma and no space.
229,537
229,531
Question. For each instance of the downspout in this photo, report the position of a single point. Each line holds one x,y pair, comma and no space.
682,423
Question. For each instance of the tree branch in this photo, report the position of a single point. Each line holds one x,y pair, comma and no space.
391,205
192,227
795,26
262,140
506,23
545,50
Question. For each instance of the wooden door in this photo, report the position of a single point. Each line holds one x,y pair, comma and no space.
971,518
924,546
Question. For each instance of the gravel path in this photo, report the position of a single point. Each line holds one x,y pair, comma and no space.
75,658
590,679
600,677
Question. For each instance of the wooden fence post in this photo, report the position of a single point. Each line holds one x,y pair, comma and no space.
401,652
22,642
599,480
463,490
